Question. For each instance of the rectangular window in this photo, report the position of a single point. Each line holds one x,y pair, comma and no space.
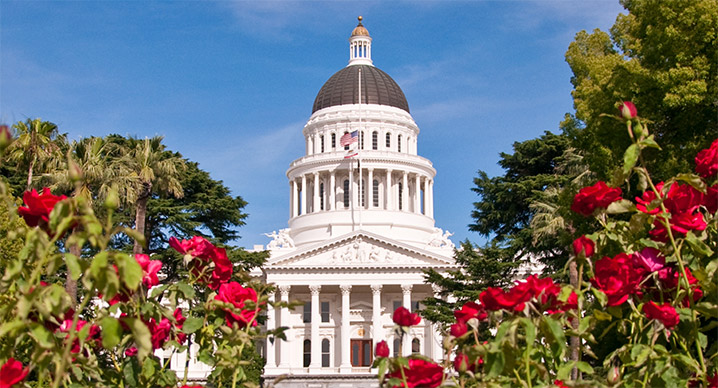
322,141
325,311
375,193
388,140
334,141
397,304
325,353
415,306
401,196
374,140
361,352
307,316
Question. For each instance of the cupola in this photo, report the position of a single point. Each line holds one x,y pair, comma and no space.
360,46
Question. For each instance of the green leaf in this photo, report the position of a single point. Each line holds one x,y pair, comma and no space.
43,336
553,328
192,324
530,331
111,332
565,371
708,309
584,367
693,180
186,289
98,265
130,271
630,157
495,362
600,296
148,368
699,247
73,266
621,206
639,354
142,336
649,142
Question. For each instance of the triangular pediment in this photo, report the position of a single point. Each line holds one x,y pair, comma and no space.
361,249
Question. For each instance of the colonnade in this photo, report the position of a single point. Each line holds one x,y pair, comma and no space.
345,365
368,139
381,189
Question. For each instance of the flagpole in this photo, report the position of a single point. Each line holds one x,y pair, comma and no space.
362,197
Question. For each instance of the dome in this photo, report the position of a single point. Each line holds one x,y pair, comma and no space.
377,88
360,30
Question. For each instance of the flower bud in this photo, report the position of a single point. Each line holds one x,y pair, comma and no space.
458,329
614,375
461,362
74,170
628,110
382,349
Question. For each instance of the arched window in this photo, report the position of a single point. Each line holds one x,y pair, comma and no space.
321,196
375,140
346,193
388,140
307,353
398,144
397,347
325,353
401,192
346,147
375,193
415,346
334,141
322,142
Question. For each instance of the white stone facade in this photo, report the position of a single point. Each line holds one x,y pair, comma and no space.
361,233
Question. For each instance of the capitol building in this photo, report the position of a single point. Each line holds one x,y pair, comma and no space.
360,233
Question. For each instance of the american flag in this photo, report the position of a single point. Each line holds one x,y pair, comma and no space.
349,138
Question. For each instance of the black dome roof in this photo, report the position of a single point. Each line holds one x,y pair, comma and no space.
377,88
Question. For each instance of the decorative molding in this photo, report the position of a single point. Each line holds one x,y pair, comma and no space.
346,289
314,289
284,290
376,289
406,288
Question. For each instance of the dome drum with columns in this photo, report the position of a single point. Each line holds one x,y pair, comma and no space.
360,233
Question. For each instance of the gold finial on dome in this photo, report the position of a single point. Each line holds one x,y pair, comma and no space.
360,30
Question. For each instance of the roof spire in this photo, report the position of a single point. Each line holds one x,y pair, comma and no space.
360,45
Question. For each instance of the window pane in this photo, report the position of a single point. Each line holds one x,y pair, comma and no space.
355,354
325,360
307,316
367,354
397,345
388,140
325,346
325,312
415,345
397,304
346,193
375,193
374,141
398,144
307,353
334,141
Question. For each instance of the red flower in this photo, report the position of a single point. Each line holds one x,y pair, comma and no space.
711,199
544,290
93,336
382,349
130,352
669,277
628,110
179,319
38,207
470,310
593,197
682,202
617,278
458,329
149,270
585,245
707,161
12,373
236,295
159,332
664,313
404,317
559,384
207,253
419,374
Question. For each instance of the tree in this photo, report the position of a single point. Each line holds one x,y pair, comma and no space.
155,170
661,56
37,142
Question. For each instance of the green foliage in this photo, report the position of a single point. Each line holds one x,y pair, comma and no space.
661,56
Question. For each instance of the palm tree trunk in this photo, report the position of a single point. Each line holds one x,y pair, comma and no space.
140,214
29,174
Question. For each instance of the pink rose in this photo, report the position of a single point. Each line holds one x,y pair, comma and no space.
650,259
207,253
149,270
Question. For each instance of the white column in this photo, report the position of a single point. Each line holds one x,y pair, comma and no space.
406,302
332,191
346,364
310,146
431,198
291,199
417,195
316,361
404,193
437,350
271,325
377,335
285,349
315,201
370,187
388,191
304,196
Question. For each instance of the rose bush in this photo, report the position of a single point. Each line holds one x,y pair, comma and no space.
643,309
125,319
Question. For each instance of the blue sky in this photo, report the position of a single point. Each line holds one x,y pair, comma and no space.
231,84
